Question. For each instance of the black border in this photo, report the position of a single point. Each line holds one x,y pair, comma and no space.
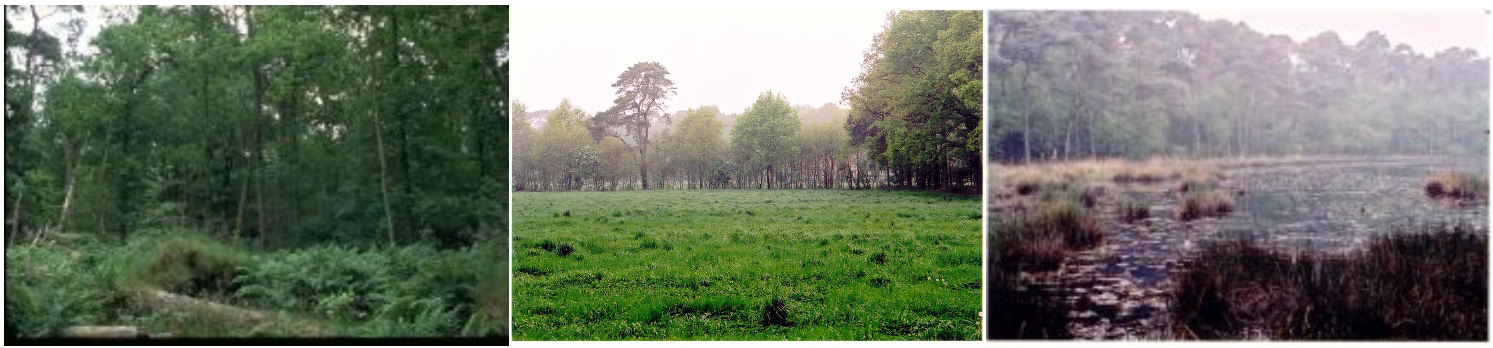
268,341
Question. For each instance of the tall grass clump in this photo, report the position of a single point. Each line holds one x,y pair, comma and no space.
1039,241
1457,185
1206,203
1419,285
1015,310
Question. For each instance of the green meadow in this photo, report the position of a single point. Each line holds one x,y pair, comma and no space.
746,265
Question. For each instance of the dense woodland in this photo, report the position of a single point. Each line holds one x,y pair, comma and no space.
373,131
914,122
1085,84
282,124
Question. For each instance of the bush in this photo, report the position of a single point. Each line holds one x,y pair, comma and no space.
411,291
190,265
49,287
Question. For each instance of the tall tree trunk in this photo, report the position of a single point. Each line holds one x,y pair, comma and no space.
1026,117
69,151
383,175
643,152
257,136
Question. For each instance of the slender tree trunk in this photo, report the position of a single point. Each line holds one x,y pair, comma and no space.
1026,117
70,153
383,176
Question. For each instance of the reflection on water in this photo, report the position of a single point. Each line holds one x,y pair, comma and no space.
1120,290
1337,207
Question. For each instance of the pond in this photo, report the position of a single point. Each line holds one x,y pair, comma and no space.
1121,289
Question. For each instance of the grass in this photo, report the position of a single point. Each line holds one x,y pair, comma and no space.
1206,203
1120,171
1428,284
747,265
1038,242
1457,186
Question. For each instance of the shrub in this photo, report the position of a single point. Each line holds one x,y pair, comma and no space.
564,250
191,265
49,287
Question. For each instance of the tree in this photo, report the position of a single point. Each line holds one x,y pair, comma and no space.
641,94
766,135
917,99
702,144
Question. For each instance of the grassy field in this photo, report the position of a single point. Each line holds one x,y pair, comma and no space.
727,265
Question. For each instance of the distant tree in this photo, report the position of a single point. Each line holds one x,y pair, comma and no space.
566,148
641,94
616,162
702,144
766,135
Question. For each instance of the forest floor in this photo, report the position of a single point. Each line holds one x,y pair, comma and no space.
1153,229
181,283
747,265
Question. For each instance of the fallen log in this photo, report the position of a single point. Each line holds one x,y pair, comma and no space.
164,301
103,332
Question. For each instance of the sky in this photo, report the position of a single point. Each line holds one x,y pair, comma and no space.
1426,30
715,57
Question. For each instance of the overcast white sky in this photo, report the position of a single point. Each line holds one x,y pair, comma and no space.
715,57
1427,30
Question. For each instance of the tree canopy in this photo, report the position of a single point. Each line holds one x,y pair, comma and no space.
277,124
917,102
914,122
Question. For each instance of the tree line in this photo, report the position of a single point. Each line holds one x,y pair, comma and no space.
1086,84
269,124
914,122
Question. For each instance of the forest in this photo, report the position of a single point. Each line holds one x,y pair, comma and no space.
1098,84
904,130
186,171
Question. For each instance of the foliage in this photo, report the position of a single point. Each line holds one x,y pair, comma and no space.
288,124
766,135
914,122
49,287
916,105
188,264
